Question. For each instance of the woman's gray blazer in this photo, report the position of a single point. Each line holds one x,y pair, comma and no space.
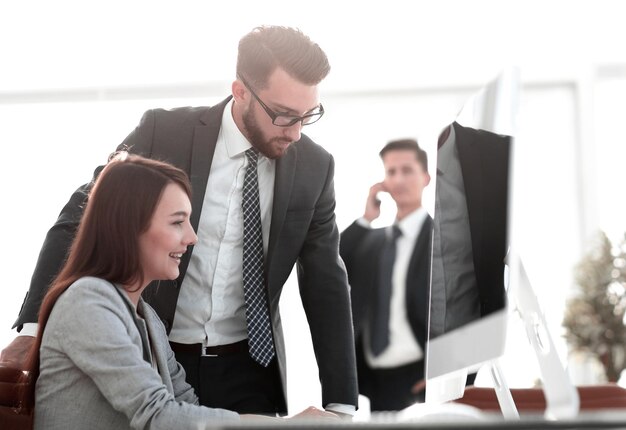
93,374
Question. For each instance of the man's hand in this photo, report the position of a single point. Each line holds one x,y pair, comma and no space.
310,413
316,414
16,353
372,206
419,386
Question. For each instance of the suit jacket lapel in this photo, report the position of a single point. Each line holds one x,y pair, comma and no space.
203,147
418,296
283,184
204,140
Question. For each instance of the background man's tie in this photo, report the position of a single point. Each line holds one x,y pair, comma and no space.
260,341
379,329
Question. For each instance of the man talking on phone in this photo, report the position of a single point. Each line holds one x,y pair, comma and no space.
388,271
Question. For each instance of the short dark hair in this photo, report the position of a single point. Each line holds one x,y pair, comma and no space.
407,145
267,47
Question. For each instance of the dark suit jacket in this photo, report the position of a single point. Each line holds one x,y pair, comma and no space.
303,232
484,158
360,249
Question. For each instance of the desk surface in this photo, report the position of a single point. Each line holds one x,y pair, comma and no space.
518,425
595,420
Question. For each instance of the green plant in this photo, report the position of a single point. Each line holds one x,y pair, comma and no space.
594,318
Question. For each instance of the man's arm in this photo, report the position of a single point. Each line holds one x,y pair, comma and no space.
326,300
352,237
52,255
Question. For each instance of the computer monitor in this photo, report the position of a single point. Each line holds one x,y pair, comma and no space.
474,221
468,314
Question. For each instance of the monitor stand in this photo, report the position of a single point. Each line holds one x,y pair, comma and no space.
561,396
505,399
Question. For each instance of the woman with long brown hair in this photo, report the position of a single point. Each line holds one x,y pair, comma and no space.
101,357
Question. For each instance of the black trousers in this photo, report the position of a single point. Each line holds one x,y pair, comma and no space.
390,389
235,382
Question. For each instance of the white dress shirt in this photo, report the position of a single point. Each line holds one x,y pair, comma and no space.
403,348
211,308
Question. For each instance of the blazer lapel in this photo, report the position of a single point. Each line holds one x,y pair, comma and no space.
202,150
157,346
204,140
417,288
283,185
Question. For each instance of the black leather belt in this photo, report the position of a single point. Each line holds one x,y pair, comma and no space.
211,351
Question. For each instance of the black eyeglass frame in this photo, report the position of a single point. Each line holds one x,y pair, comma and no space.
293,119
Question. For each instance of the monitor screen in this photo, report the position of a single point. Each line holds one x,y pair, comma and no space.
468,315
477,199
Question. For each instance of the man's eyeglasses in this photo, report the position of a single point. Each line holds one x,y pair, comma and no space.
284,119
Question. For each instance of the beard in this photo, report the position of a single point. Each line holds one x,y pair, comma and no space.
272,148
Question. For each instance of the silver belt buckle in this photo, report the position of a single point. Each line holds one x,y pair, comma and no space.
204,354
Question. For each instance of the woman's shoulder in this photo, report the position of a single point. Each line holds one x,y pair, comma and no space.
87,296
91,282
87,287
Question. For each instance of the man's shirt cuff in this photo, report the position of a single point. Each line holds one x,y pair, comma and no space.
341,408
363,222
29,329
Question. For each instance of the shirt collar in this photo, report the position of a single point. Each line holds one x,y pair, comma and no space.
235,142
411,224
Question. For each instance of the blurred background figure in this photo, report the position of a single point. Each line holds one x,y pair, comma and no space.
388,271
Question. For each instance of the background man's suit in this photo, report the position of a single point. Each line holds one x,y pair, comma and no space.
303,232
360,248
